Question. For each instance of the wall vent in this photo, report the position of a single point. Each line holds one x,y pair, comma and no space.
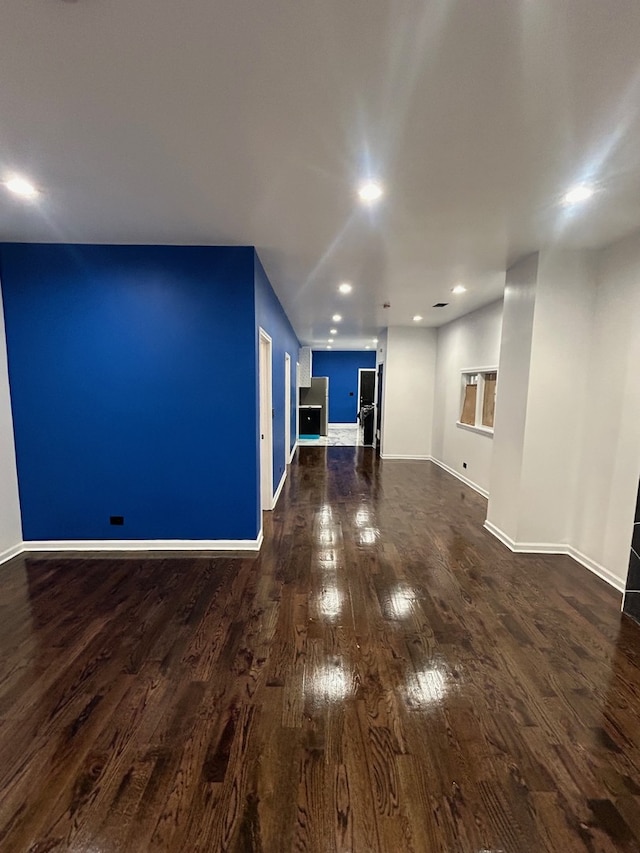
441,305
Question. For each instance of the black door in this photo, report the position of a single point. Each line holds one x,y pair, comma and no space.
367,386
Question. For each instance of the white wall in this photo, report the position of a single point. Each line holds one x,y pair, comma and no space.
609,469
511,398
10,524
472,341
562,325
409,379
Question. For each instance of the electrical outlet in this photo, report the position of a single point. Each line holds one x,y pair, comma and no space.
116,519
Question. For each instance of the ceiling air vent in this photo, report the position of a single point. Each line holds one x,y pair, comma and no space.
441,305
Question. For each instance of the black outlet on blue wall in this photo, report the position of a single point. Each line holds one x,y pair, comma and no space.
116,519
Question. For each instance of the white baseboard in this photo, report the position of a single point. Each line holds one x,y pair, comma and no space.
10,553
142,544
596,568
556,548
293,452
279,489
465,480
406,456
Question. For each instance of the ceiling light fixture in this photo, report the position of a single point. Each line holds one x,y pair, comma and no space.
337,318
330,340
370,191
577,194
459,288
345,287
417,318
367,347
21,187
333,331
328,347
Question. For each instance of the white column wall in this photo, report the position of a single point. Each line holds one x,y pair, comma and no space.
512,395
471,341
562,329
607,480
409,379
10,522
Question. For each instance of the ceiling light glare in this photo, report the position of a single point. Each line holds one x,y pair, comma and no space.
367,347
330,340
370,192
374,340
578,194
21,187
337,318
459,288
328,347
345,287
333,331
417,318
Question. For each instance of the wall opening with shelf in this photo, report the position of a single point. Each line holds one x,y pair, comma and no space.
478,398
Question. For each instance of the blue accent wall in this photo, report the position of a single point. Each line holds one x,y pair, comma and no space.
341,366
271,317
133,379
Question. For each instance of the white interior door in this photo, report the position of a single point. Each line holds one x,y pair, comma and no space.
266,422
287,407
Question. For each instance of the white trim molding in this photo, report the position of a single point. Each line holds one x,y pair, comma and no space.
279,489
293,452
556,548
143,544
462,478
10,553
481,430
406,457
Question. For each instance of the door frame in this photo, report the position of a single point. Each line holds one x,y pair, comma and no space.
265,420
360,370
297,401
287,408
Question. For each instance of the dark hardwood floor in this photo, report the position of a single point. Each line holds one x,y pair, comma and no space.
385,676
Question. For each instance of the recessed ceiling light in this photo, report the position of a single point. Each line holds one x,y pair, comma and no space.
459,288
367,347
375,340
417,318
370,191
337,318
330,340
345,287
21,186
333,331
328,347
581,192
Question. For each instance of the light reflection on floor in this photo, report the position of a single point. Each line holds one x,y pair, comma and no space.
328,683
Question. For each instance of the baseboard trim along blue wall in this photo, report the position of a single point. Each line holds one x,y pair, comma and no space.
341,366
133,376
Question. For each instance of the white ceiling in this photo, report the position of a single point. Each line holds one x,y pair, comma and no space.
252,122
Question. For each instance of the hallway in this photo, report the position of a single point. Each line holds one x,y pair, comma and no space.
384,676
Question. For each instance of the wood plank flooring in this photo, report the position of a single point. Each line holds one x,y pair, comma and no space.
385,676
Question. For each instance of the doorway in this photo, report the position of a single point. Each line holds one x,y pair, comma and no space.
366,400
266,421
287,408
366,387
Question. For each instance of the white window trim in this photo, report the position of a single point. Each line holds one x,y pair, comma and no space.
478,426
